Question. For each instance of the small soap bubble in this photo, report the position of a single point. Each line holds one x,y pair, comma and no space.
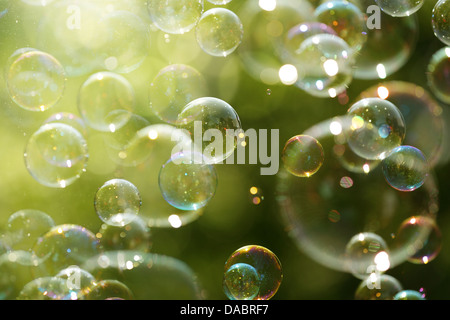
440,21
401,8
409,295
241,282
438,74
107,289
378,287
303,155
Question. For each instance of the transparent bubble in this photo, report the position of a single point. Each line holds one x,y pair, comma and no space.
439,19
38,2
206,118
135,235
241,282
169,278
405,168
219,32
346,19
117,202
362,252
106,289
56,155
45,288
78,281
409,295
325,65
219,2
63,246
438,74
381,287
401,8
35,80
377,128
106,101
173,88
175,16
302,155
421,238
266,264
70,119
187,182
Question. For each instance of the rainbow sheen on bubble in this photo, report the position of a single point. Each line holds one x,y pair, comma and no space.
401,8
439,19
241,282
45,288
302,155
438,74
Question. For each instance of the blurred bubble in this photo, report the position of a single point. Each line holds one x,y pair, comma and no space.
409,295
405,168
45,288
378,287
219,2
206,118
219,32
241,282
106,101
302,155
56,155
35,80
402,8
117,202
438,74
346,19
377,128
173,88
106,289
439,19
266,264
38,2
78,281
175,16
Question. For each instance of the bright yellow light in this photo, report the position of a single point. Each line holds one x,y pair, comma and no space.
331,67
357,122
381,70
288,74
382,261
268,5
153,135
366,168
253,190
383,92
447,51
175,221
335,128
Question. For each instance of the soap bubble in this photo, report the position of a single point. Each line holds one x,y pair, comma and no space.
377,128
405,168
70,119
175,16
346,19
106,101
401,8
438,74
378,287
266,264
206,118
187,184
241,282
56,155
219,2
117,202
173,88
106,289
35,80
439,19
219,32
45,288
78,281
302,155
409,295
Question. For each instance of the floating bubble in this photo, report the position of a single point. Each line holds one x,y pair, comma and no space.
438,74
378,287
78,281
439,19
325,65
206,118
35,80
409,295
219,32
70,119
175,16
219,2
302,155
401,8
377,128
266,264
346,19
106,101
45,288
405,168
107,289
241,282
56,155
173,88
117,202
187,184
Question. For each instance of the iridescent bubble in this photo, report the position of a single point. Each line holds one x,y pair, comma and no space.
106,289
69,119
106,101
266,264
420,238
241,282
377,128
117,202
438,74
35,80
405,168
346,19
219,32
207,118
325,65
409,295
78,281
439,19
173,88
56,155
186,183
378,287
401,8
302,155
45,288
175,16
